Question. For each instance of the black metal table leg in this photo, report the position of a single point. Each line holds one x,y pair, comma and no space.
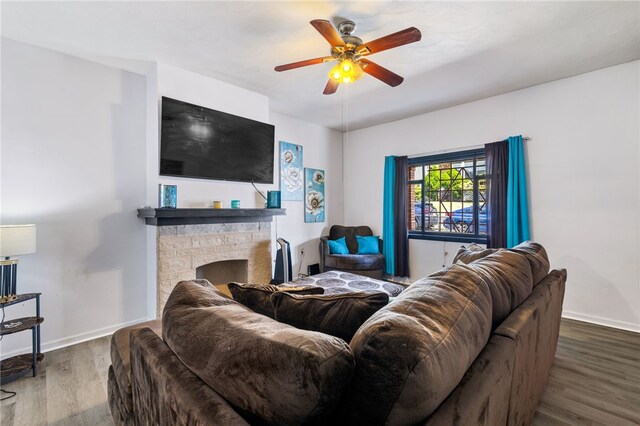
35,354
38,339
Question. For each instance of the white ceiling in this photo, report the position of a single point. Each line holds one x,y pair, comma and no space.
468,51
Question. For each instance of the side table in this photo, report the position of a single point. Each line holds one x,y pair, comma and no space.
17,366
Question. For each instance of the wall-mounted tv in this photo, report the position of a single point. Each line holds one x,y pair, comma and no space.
199,142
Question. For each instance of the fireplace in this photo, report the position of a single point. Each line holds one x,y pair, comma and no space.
223,272
220,245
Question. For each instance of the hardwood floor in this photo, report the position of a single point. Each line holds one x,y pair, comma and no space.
71,389
595,381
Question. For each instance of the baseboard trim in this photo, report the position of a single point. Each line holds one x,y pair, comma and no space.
75,339
623,325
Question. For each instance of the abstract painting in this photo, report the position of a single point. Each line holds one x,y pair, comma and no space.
291,172
313,195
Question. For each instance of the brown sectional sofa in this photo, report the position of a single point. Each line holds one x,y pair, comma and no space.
470,344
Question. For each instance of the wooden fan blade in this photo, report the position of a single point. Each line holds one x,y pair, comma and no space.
331,87
304,63
400,38
381,73
328,31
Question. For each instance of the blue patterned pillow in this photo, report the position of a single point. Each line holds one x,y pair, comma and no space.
338,246
368,245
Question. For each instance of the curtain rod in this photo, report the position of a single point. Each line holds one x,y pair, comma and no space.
462,148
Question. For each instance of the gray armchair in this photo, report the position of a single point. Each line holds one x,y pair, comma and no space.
371,265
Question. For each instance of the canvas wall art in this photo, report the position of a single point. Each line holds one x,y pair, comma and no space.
314,195
291,171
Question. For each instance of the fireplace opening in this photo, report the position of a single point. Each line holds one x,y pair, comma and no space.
223,272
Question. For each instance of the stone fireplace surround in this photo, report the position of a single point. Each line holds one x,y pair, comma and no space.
192,250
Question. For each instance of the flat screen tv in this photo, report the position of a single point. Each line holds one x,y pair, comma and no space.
202,143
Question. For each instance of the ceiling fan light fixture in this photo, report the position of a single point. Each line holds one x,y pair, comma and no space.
346,71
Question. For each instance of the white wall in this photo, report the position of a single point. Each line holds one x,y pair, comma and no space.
322,150
584,179
187,86
198,89
79,155
73,164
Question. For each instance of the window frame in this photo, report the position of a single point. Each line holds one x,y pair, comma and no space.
451,157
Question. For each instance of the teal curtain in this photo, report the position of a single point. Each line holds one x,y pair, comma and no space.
517,203
388,216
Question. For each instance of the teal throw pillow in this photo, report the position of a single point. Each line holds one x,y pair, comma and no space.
368,245
338,246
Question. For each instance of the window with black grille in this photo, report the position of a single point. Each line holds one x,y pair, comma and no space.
447,197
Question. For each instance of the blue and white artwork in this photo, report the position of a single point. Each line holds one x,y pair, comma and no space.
168,196
291,172
313,195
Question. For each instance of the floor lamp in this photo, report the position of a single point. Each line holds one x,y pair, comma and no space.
15,240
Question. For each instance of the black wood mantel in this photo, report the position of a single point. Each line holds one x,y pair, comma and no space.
171,217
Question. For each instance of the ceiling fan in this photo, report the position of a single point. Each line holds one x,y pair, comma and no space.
349,51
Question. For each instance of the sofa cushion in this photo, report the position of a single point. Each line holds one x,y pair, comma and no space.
257,297
482,396
338,246
537,257
338,315
413,352
368,245
508,276
472,253
282,374
121,358
167,393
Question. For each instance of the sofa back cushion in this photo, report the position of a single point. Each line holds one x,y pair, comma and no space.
339,315
472,253
349,233
272,370
412,353
537,257
257,297
508,276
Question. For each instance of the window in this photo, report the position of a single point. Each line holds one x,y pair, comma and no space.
447,197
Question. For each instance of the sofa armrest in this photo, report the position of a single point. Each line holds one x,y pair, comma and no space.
166,392
534,327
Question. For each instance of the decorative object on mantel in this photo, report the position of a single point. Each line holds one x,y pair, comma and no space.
187,216
273,199
291,171
168,196
314,195
217,204
235,204
15,240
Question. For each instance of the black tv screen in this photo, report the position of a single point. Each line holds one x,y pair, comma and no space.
199,142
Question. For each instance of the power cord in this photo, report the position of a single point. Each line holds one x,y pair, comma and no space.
12,394
258,191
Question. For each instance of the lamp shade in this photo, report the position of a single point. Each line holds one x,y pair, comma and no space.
17,239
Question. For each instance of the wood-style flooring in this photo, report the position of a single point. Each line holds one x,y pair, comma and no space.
595,380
